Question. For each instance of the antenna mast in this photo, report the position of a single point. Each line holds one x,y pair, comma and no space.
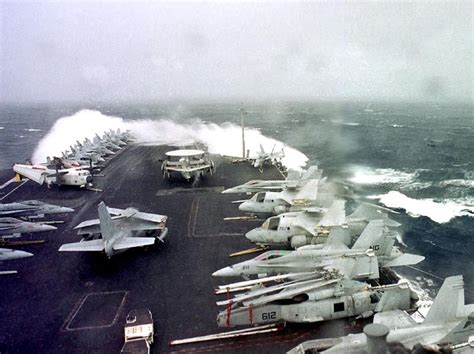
242,112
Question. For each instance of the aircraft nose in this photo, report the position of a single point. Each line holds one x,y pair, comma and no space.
43,227
225,272
66,210
254,235
245,206
22,254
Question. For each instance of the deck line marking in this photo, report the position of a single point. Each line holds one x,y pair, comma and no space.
75,311
14,189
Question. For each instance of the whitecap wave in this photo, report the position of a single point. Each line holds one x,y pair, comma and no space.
1,128
33,130
466,183
374,176
224,139
439,211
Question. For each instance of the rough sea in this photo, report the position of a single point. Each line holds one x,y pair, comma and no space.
416,159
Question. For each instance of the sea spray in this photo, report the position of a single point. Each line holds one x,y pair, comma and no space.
224,139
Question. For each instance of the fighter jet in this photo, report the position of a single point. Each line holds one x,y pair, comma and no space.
83,157
31,208
130,219
7,254
449,321
14,227
313,225
312,299
264,158
60,176
294,180
374,247
114,239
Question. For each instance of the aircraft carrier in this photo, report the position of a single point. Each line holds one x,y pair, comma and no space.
62,302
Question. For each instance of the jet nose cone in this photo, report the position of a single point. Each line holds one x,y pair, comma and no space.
43,227
225,272
66,210
22,254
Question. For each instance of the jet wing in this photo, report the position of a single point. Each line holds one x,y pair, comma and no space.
83,246
131,212
37,174
15,211
404,259
394,319
303,195
335,215
131,242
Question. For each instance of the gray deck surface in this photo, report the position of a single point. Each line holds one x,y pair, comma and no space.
67,302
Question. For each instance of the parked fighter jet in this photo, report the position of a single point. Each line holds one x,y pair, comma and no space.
15,227
312,225
312,300
31,208
130,219
264,158
449,321
294,180
114,238
59,176
7,254
374,247
83,157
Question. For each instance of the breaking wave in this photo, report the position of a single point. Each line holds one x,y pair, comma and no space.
224,139
438,211
367,175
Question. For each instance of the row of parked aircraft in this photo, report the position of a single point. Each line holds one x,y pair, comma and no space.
75,167
333,271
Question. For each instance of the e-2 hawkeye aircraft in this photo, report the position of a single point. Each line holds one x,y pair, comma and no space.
116,236
374,247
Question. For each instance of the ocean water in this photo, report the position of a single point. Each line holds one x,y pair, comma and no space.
417,159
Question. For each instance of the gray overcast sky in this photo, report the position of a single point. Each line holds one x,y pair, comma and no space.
132,51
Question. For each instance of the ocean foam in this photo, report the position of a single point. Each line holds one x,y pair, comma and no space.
224,139
368,175
440,212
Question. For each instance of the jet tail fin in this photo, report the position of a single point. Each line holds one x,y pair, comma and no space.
107,228
370,237
449,302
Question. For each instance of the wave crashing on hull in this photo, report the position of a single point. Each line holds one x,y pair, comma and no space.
224,139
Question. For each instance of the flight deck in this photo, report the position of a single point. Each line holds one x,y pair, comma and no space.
77,302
